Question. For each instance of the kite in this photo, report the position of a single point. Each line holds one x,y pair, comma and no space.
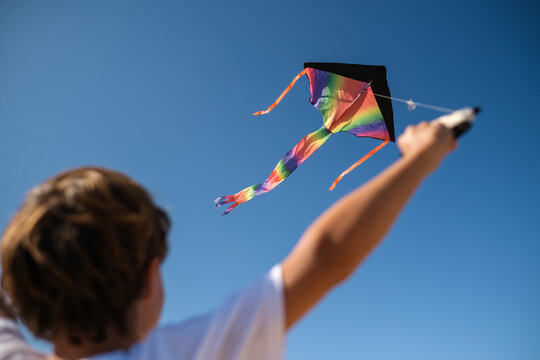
351,98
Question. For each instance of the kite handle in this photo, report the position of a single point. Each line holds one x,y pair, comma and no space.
282,94
364,158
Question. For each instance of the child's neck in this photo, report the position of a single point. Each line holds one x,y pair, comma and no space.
66,350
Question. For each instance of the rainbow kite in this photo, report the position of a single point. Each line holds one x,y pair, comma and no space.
345,96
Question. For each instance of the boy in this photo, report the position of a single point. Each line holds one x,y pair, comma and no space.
81,264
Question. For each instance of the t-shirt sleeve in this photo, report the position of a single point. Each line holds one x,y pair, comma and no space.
248,326
13,346
251,325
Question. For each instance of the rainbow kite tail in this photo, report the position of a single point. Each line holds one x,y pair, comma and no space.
225,200
238,198
286,165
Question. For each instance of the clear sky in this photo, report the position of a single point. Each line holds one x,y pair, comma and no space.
163,90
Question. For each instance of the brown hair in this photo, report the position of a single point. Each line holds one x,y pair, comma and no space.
75,254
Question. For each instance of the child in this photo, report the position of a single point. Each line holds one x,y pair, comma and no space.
81,263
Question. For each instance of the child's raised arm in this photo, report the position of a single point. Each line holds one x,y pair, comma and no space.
338,241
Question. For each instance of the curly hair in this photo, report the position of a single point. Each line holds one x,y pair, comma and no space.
75,254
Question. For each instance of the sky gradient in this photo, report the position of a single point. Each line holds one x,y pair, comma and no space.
164,91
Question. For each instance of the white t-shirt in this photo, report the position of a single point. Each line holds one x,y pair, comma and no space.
248,326
13,346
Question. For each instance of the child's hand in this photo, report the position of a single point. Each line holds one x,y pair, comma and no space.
429,142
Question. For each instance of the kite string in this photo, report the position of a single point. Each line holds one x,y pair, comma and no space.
413,104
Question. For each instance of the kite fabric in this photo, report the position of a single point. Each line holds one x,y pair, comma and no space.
345,96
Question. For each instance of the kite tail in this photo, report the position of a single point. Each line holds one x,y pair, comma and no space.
364,158
286,165
282,94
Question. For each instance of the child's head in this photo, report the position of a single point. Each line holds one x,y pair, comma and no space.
75,257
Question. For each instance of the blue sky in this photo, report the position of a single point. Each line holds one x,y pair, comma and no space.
164,90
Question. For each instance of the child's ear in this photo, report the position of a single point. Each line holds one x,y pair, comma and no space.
153,279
